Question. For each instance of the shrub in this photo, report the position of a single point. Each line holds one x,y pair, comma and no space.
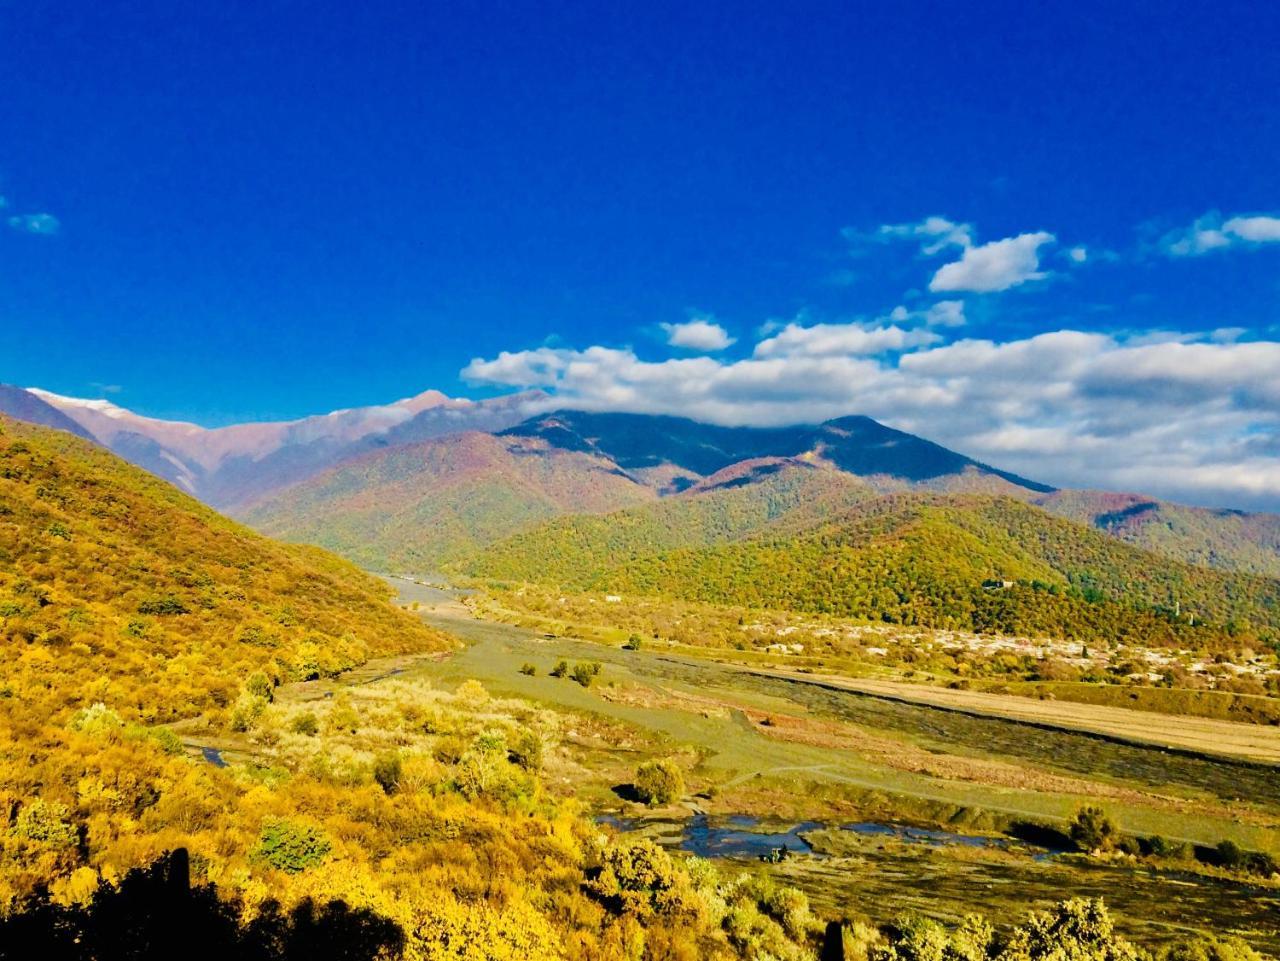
167,605
168,742
1092,830
259,685
483,770
45,823
472,693
305,724
387,771
561,669
291,847
247,711
634,643
583,674
1160,847
528,669
1209,948
97,720
638,877
1079,929
659,782
526,751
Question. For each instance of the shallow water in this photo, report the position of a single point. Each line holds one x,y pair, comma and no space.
880,881
741,836
213,756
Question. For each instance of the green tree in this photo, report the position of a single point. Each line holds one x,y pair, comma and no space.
1092,830
290,846
659,781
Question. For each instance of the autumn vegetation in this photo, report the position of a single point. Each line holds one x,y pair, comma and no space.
137,624
910,559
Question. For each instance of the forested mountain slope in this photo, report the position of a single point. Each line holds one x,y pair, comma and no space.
115,586
1226,539
916,559
417,505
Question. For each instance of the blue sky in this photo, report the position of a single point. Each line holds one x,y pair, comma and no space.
239,211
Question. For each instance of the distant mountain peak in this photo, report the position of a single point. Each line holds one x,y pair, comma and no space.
98,405
855,444
237,463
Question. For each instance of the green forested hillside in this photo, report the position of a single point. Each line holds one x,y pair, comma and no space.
910,559
115,586
1226,539
415,506
575,550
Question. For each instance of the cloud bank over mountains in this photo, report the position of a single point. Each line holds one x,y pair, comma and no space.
1184,418
1188,416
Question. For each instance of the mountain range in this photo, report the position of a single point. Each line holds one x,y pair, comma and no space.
230,466
433,480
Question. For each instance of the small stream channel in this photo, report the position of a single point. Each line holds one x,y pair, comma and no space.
741,836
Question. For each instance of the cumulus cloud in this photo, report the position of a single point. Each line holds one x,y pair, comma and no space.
46,224
1211,232
986,268
849,340
1259,229
945,313
935,233
699,334
994,266
1182,417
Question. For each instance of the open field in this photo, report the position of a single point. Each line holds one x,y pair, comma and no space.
1194,734
1194,798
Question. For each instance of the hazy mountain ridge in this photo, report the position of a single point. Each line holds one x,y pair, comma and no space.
1225,539
415,506
235,465
29,407
250,468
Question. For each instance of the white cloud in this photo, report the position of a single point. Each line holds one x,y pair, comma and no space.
35,223
1210,233
700,334
936,233
845,340
945,313
1177,416
995,266
1078,255
1258,229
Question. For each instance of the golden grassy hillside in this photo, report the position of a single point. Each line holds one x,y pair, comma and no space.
116,587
